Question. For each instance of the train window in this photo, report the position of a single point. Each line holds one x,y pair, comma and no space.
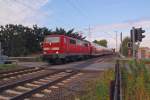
79,42
85,44
52,39
72,41
65,41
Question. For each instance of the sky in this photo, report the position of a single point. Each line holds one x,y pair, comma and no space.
104,18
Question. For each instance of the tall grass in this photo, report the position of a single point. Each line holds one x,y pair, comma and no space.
136,82
99,89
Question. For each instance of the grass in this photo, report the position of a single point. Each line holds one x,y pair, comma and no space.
146,61
136,82
7,66
99,88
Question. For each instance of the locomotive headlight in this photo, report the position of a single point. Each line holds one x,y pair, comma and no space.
44,52
57,52
55,48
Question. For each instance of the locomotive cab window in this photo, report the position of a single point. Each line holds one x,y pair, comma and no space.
72,41
79,42
86,45
52,39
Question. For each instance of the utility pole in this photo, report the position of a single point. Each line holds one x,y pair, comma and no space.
121,49
0,49
133,42
116,41
90,35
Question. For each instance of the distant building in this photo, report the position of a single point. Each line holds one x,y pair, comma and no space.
143,52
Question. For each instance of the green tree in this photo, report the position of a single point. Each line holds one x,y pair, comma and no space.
101,42
69,33
124,46
19,40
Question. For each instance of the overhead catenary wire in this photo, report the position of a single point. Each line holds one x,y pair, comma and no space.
73,5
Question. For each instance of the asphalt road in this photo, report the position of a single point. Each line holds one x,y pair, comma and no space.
94,64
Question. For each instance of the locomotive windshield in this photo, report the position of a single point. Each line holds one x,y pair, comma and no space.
52,39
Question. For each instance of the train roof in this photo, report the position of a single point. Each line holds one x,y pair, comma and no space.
99,46
66,36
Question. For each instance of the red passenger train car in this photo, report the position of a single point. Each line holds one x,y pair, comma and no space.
65,48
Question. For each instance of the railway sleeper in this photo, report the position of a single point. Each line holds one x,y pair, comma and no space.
34,89
23,88
4,97
31,85
13,92
38,82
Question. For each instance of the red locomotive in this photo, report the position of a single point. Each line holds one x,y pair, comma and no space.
64,48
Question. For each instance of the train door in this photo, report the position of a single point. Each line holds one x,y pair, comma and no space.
72,47
65,46
87,49
78,46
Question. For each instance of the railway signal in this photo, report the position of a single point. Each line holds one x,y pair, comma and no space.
137,34
136,37
129,45
140,35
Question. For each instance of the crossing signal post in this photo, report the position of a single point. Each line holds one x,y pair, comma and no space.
136,37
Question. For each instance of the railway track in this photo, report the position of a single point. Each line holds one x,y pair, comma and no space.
116,89
34,87
18,73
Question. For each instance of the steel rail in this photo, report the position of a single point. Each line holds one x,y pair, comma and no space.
19,73
15,70
21,82
38,89
117,86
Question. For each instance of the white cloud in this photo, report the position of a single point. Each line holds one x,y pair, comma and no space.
124,27
26,12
